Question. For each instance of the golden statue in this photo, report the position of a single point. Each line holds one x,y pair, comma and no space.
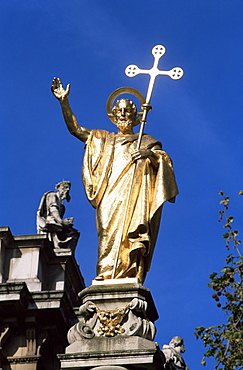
127,183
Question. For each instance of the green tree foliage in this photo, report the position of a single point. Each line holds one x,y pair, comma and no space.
225,341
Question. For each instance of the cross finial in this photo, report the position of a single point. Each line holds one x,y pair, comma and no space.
158,51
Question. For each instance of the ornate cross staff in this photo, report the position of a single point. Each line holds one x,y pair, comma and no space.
158,51
132,70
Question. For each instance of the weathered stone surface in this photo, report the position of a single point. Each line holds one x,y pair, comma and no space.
38,293
130,352
111,310
101,344
115,330
112,296
6,241
31,258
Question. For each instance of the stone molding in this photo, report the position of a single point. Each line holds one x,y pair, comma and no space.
24,359
125,352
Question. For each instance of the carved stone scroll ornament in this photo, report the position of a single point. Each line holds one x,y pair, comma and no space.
127,321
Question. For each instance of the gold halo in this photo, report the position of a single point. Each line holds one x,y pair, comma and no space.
121,91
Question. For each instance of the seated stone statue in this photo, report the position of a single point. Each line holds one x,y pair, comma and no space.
50,218
172,352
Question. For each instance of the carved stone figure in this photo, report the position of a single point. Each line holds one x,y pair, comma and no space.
127,230
50,217
172,352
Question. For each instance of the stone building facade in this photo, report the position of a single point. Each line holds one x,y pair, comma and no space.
39,301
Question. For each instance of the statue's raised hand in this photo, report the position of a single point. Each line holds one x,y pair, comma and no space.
58,90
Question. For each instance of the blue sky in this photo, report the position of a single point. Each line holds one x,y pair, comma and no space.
89,43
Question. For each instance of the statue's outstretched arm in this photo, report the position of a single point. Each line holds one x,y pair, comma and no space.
61,94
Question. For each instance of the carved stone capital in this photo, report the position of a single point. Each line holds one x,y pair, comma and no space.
125,321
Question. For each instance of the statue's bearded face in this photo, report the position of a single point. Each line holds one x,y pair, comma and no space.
125,115
63,191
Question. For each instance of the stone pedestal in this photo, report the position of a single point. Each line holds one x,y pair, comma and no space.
115,329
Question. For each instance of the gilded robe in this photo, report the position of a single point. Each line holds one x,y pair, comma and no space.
127,225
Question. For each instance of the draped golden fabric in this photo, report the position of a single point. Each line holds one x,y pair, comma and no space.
107,174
